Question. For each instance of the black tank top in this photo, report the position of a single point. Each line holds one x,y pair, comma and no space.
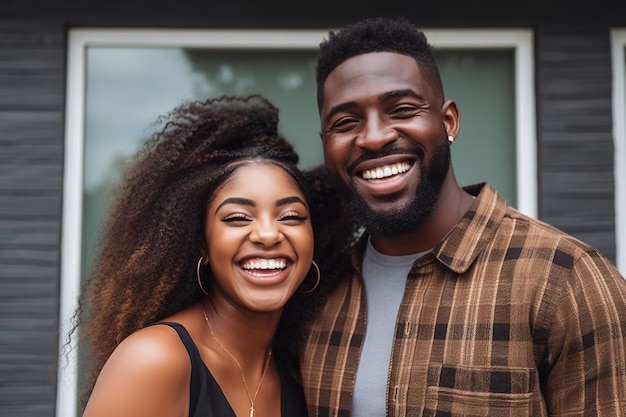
207,399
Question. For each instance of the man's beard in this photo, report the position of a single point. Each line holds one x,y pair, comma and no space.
411,217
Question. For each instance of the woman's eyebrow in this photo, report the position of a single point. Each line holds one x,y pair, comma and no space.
236,200
289,200
247,202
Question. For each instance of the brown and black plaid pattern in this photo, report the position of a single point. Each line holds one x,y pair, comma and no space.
507,317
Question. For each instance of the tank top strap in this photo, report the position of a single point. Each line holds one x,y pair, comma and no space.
197,365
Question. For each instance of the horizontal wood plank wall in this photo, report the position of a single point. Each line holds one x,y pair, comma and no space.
575,133
32,72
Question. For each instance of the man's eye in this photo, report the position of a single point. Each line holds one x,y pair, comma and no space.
404,111
343,124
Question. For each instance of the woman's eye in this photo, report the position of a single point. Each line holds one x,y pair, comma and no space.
293,216
236,217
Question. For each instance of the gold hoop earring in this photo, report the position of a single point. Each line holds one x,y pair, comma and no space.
198,275
316,282
451,139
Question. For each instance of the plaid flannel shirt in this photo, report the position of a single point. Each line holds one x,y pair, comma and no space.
508,316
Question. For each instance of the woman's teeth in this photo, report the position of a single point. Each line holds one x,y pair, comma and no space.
265,264
385,171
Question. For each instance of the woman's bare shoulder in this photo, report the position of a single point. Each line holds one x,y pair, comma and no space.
148,374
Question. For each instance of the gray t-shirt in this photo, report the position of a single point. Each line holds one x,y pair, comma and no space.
385,279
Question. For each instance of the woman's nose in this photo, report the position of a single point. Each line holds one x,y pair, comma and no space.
266,232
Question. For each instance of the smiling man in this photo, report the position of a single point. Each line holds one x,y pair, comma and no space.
458,305
386,137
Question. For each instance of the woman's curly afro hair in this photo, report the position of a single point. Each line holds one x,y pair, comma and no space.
152,239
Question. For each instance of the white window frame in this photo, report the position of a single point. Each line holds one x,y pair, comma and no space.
618,44
79,39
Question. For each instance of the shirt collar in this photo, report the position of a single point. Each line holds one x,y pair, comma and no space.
462,245
460,248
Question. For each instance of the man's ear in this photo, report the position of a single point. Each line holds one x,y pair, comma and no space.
451,118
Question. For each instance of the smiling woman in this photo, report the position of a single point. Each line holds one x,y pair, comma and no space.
206,270
259,239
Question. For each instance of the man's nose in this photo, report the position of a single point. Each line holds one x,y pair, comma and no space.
376,134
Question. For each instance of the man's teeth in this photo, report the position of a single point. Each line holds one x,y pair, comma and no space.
265,264
385,171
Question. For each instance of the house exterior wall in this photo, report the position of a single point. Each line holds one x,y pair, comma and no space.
32,70
574,130
574,124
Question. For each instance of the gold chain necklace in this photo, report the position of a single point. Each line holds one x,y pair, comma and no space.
269,354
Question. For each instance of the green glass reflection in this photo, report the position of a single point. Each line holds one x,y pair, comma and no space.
483,85
128,88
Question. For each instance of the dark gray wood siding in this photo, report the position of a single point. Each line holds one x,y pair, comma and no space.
573,120
32,71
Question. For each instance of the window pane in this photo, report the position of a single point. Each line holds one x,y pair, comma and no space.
483,85
127,88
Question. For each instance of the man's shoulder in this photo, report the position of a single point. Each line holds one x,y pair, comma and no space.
543,231
530,232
